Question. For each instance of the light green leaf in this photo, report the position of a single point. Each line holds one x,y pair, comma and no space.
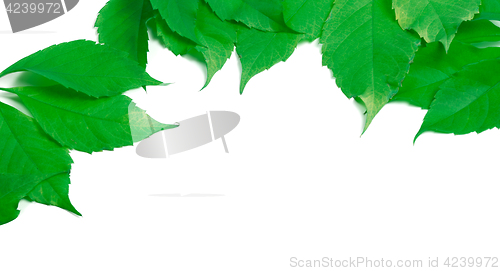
367,51
432,66
259,50
83,123
435,20
122,25
263,15
94,69
468,102
28,157
307,16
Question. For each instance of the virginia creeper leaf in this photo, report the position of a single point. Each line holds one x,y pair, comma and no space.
180,15
122,25
307,16
84,123
432,66
13,188
477,32
94,69
217,40
168,38
260,50
468,102
489,10
54,191
367,51
28,157
435,20
263,15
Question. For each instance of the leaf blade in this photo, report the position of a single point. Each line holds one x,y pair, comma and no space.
435,20
122,25
367,51
94,69
81,122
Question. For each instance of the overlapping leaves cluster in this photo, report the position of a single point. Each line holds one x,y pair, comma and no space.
80,107
430,53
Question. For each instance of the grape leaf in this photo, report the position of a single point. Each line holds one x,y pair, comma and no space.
168,38
180,16
432,65
435,20
28,157
306,16
259,50
94,69
122,25
84,123
262,15
468,102
367,51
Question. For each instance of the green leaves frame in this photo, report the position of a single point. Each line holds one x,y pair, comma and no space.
378,50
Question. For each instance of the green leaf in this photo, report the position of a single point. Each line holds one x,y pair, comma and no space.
168,38
180,15
259,50
263,15
122,25
468,102
13,188
94,69
478,32
367,51
489,10
432,65
54,191
217,40
84,123
214,38
28,157
307,16
435,20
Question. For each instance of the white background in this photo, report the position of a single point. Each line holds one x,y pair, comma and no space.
299,181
